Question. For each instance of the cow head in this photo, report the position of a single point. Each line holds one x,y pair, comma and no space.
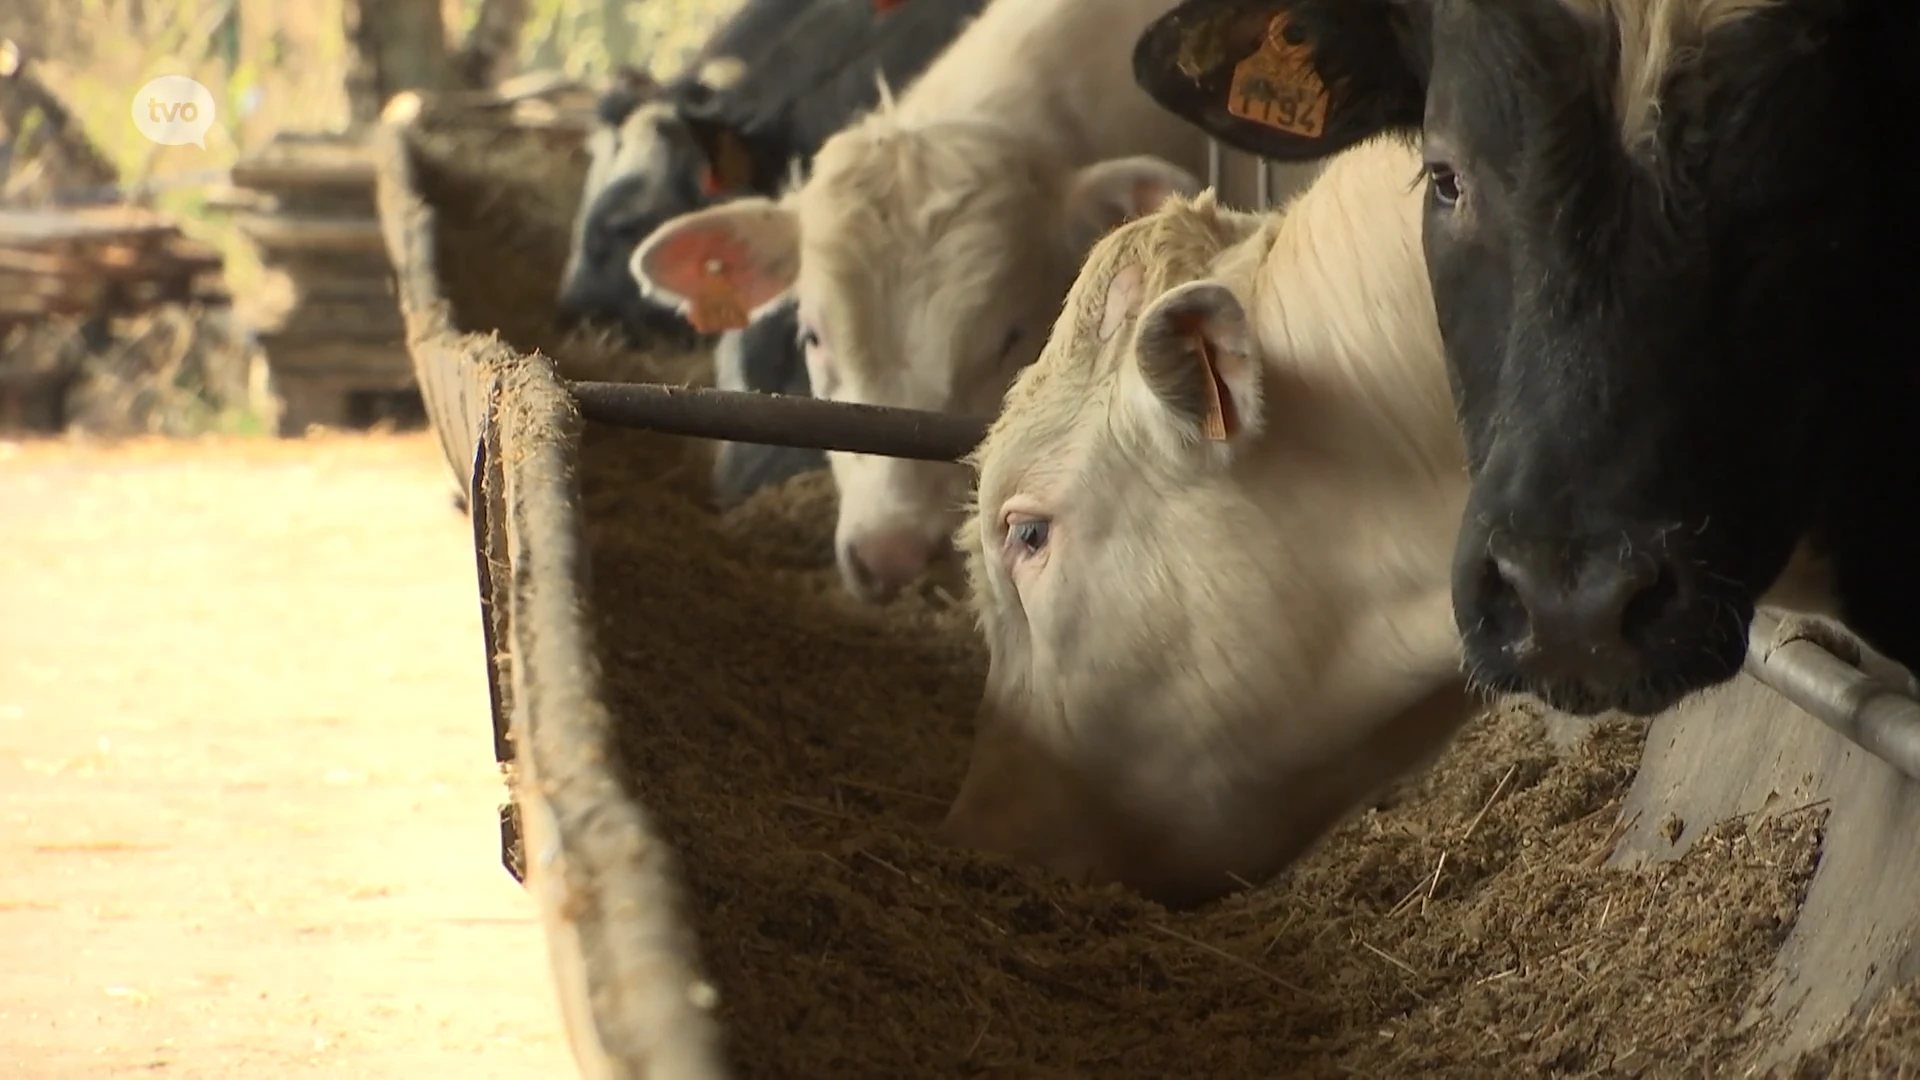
926,263
1204,552
1645,227
655,153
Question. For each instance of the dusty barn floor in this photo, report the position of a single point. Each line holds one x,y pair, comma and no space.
247,791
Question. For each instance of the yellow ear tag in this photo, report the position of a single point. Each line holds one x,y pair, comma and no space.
1278,86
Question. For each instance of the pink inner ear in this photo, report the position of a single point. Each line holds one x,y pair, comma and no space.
1222,421
715,271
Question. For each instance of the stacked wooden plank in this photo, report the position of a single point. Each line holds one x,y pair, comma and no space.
343,336
88,265
98,262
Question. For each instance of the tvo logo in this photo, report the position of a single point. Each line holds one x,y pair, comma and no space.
174,110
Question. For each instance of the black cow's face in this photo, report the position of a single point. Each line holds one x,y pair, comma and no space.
651,160
1639,308
1646,261
643,170
600,288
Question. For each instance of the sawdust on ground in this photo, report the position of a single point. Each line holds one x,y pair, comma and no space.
246,773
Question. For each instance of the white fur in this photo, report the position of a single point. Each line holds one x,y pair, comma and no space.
944,221
1223,648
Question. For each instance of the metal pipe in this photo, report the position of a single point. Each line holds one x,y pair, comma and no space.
1866,706
1214,161
781,420
1264,193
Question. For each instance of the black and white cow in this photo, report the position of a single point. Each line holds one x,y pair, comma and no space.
1674,254
774,83
651,158
738,123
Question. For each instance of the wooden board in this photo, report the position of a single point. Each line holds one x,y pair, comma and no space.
1744,749
312,234
295,164
372,363
624,966
101,261
326,399
568,115
48,227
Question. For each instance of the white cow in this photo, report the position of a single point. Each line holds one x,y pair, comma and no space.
1211,548
936,237
1212,543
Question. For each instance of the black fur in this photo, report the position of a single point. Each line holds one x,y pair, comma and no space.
769,359
1671,365
810,69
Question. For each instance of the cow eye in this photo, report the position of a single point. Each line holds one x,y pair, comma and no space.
1027,535
809,338
1444,183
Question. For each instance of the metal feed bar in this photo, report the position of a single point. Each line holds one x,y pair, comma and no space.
782,420
1216,164
1870,710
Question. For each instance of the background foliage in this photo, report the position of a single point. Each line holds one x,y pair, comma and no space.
276,66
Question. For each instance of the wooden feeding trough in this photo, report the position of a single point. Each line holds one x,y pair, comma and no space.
722,776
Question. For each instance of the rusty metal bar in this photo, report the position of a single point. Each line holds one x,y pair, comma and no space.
1866,706
781,420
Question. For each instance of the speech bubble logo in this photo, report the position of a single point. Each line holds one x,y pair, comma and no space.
173,110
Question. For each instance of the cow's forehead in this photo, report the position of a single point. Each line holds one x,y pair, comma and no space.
1049,412
1484,47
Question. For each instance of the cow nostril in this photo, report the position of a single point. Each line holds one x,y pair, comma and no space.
1577,608
869,575
1502,608
858,573
1651,597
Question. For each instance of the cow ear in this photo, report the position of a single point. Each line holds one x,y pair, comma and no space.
1289,80
723,266
1198,367
1106,193
729,159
